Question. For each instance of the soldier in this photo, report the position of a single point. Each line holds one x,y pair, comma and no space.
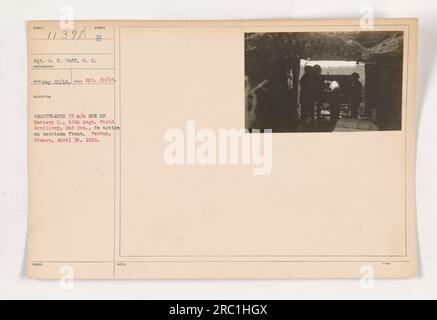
355,94
306,93
317,90
334,102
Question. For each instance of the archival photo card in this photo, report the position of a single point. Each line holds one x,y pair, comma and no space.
179,149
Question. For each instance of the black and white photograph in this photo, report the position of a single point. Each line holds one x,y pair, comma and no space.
324,81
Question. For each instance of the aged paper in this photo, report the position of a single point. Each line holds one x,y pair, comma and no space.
222,149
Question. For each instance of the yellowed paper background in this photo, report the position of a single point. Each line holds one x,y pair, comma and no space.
334,202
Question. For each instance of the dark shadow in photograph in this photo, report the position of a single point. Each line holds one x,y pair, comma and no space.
323,81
